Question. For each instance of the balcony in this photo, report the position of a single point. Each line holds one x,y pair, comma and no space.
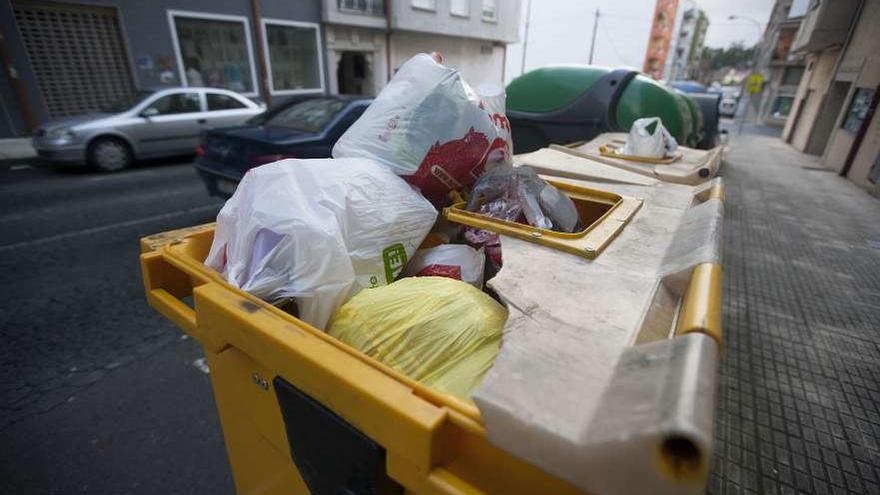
824,25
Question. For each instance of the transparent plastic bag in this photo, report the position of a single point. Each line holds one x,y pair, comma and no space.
521,189
649,138
441,332
318,231
430,127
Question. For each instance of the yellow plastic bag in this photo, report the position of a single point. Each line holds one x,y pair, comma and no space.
442,332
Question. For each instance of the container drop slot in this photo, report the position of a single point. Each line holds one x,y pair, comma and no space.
602,216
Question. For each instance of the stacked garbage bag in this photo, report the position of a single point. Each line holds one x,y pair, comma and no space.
353,245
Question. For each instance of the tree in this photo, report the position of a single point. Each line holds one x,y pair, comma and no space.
735,56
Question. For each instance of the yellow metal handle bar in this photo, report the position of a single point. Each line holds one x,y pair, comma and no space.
701,306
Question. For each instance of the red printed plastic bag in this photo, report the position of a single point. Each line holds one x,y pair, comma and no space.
431,128
448,260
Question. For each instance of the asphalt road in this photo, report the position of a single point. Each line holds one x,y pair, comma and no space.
98,393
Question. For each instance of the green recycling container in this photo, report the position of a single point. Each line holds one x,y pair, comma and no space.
566,103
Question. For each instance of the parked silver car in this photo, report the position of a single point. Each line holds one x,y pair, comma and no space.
147,124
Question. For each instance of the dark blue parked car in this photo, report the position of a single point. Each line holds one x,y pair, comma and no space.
301,129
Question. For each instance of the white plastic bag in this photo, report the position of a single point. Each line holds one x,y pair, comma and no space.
456,261
649,138
318,231
430,127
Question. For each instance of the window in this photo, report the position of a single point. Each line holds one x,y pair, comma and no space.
218,101
782,106
214,51
425,4
858,109
461,8
177,103
792,76
371,7
799,8
784,41
310,115
126,102
489,8
293,53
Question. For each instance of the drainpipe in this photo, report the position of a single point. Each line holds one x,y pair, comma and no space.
388,40
503,63
261,51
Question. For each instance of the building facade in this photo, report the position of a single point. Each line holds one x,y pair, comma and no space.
663,26
68,57
781,67
64,58
683,61
834,110
368,40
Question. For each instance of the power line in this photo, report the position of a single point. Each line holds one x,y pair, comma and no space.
613,46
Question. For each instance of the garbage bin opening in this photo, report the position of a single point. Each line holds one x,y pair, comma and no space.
590,210
595,208
681,458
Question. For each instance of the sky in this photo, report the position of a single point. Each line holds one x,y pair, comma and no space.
560,30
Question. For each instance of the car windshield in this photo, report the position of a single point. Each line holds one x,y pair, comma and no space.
126,102
309,115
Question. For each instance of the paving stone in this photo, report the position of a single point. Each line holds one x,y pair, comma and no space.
800,376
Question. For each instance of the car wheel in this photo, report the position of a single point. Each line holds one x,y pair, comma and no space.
109,154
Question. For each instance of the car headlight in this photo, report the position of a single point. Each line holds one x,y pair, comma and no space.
61,135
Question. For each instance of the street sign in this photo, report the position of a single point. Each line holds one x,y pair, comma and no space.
755,83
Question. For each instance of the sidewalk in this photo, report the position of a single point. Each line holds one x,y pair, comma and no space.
799,395
16,150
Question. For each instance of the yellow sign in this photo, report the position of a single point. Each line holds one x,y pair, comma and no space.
755,83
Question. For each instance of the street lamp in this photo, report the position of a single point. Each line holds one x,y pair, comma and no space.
749,19
760,32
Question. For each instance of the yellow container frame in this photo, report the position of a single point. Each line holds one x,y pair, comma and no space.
434,443
588,242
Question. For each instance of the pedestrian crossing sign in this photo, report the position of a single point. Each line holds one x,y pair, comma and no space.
755,83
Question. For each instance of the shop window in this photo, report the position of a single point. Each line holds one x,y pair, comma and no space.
214,51
792,76
781,106
293,54
858,109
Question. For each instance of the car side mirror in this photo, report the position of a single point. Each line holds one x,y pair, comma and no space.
149,112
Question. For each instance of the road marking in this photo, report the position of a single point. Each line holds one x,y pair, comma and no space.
105,228
202,365
20,167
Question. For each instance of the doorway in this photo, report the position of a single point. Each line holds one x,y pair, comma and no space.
797,116
353,74
827,117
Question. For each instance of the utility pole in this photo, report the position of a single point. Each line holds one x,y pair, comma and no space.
593,42
755,59
526,36
261,53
